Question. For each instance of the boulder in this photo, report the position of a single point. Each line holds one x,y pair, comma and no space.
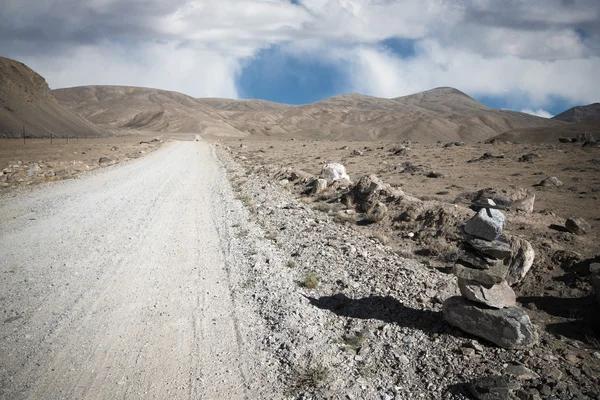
333,171
520,261
357,153
493,387
565,140
552,181
486,224
585,137
318,186
577,225
370,189
492,276
496,296
105,160
508,327
519,199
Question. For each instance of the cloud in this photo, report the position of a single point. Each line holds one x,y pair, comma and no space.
536,49
539,112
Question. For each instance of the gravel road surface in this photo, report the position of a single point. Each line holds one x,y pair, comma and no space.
115,285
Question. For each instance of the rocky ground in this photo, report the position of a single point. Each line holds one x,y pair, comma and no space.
39,161
354,307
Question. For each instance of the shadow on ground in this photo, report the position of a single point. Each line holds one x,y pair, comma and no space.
387,309
582,313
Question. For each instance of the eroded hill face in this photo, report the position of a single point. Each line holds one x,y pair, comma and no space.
439,114
26,101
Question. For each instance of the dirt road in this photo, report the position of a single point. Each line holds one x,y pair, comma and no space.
115,285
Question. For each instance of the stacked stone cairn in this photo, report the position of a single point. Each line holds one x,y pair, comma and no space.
489,262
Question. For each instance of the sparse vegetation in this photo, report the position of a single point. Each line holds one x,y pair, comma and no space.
383,239
291,264
377,212
310,281
309,378
248,202
272,235
353,341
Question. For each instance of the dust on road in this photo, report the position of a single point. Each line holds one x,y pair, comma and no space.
115,285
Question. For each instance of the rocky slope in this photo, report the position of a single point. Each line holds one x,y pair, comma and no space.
591,112
438,114
351,318
26,101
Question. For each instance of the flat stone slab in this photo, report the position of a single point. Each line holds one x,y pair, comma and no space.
509,327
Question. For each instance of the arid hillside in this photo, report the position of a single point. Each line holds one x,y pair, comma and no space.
591,112
438,114
26,101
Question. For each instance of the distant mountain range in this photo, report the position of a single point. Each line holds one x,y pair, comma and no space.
444,114
438,114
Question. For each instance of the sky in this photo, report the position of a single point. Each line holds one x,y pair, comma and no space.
536,56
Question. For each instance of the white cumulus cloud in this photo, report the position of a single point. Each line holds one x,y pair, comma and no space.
539,112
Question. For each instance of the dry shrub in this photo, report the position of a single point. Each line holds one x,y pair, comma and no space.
377,212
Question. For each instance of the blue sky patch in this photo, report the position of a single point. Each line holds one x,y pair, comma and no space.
276,76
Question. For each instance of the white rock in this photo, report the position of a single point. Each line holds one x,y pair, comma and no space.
333,172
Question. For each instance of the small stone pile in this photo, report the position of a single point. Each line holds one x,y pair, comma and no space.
488,263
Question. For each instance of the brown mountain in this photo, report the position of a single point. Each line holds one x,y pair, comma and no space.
26,101
591,112
438,114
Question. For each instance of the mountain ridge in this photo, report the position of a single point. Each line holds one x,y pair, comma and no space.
438,114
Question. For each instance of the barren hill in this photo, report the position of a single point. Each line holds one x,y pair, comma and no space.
438,114
550,135
26,101
590,112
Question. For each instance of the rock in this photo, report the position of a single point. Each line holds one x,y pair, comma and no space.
486,224
591,144
400,150
434,174
370,189
409,167
565,140
319,185
499,249
508,327
577,225
528,157
594,268
333,171
114,148
377,212
357,153
595,282
497,296
495,387
521,260
105,160
519,199
585,137
552,181
491,276
521,372
473,259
